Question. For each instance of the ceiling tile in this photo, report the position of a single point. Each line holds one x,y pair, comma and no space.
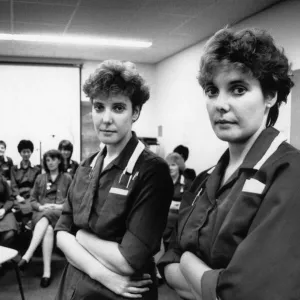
113,4
34,28
42,13
5,27
4,11
57,2
151,26
186,7
222,13
86,16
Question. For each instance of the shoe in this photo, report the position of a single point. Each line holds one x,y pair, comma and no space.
45,282
23,264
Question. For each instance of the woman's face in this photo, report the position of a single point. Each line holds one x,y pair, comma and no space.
25,154
113,117
2,149
52,163
236,105
174,169
66,153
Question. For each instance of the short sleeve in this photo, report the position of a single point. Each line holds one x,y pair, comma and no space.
148,216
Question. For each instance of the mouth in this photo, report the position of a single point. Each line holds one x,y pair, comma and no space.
224,122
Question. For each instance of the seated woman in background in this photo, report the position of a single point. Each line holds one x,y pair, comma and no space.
176,166
239,238
6,162
8,224
188,174
66,149
47,199
23,177
117,207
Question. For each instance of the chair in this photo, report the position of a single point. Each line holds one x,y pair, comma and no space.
7,254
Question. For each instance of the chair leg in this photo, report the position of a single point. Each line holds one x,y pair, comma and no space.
19,279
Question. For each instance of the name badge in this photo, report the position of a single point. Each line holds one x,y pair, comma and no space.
253,186
118,191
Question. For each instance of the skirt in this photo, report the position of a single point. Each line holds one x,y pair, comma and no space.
8,223
52,215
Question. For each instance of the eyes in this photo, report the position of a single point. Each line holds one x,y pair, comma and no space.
236,90
116,107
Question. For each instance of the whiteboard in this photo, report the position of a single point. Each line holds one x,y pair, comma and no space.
40,103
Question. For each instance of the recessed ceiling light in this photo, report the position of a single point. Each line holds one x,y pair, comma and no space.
75,40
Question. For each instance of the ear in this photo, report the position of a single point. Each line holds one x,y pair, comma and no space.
271,100
136,113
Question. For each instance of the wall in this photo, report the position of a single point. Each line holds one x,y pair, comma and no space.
181,100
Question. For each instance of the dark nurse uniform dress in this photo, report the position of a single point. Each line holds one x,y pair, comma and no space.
247,231
128,207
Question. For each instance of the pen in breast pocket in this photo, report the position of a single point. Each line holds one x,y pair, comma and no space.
197,196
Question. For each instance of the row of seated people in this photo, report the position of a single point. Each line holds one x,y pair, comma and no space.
31,200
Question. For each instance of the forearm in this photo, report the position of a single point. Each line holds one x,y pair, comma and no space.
81,259
177,281
193,268
8,205
106,252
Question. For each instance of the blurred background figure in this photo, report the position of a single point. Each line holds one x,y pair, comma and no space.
66,149
6,162
188,174
47,198
23,177
177,166
8,224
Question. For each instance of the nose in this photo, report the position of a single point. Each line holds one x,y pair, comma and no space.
107,116
222,102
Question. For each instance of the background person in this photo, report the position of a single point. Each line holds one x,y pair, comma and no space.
239,238
117,207
6,162
23,177
47,198
66,149
8,224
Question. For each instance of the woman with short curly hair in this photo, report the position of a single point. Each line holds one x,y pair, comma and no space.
117,207
239,228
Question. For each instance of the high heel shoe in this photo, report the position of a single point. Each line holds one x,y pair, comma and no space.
45,282
23,264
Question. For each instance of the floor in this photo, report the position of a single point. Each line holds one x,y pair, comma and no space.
31,282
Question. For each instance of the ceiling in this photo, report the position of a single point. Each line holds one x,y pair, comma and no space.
172,25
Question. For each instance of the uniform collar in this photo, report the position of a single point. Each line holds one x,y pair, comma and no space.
30,165
256,152
4,158
122,160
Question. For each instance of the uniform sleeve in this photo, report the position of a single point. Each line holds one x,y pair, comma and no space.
13,184
34,194
65,221
7,196
266,264
147,219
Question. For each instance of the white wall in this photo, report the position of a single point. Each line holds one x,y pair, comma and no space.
147,124
181,100
40,103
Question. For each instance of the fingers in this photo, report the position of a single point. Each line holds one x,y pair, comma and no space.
134,296
141,283
136,290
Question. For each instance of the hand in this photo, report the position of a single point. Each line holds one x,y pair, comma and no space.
20,199
175,205
127,286
2,213
44,207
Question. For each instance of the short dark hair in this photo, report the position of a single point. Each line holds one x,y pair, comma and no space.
183,151
3,143
25,144
53,154
65,145
253,51
114,77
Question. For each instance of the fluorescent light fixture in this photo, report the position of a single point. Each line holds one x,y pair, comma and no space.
75,40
